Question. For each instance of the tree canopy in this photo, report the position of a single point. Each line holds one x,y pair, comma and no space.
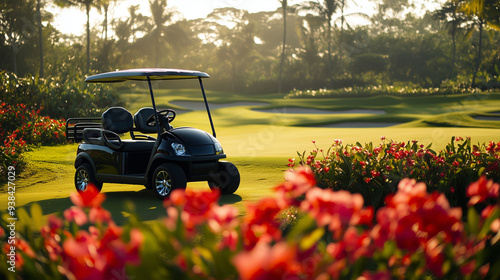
309,45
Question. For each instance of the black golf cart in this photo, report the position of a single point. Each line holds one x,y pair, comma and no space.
164,160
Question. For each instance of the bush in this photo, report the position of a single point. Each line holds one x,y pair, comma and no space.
375,171
403,91
416,235
63,96
21,127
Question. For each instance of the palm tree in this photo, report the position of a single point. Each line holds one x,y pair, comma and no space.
160,18
104,6
344,23
309,32
326,10
83,3
483,12
40,36
454,19
284,4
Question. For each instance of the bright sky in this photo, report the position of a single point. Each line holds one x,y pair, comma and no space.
73,20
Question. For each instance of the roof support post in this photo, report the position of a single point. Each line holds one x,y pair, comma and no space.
206,105
154,107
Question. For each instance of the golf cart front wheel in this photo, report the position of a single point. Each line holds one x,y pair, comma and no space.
84,176
227,179
166,178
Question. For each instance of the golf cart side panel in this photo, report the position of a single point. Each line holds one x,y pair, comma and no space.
122,179
105,160
196,168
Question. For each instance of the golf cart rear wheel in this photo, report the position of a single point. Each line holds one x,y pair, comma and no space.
166,178
227,179
84,176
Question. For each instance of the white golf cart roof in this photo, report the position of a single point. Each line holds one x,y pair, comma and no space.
145,74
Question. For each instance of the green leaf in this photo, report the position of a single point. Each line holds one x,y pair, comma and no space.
480,171
305,225
472,221
24,220
203,258
389,249
308,241
487,223
36,212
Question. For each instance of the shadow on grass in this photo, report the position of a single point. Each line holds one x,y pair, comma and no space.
123,204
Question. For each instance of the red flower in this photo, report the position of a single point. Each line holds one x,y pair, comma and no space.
434,256
75,214
88,198
353,246
336,209
81,257
297,183
192,207
195,203
224,219
264,262
412,217
260,223
481,190
87,257
98,214
491,147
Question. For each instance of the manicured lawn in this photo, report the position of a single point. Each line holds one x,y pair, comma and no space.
260,143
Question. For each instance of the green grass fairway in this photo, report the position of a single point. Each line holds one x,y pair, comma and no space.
260,142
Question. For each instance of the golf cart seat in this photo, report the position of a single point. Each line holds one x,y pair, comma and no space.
140,120
117,120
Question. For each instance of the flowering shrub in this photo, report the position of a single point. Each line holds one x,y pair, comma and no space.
20,127
385,90
375,171
416,235
61,249
65,95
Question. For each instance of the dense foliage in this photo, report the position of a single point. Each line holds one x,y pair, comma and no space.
324,46
303,232
22,127
401,91
374,171
64,96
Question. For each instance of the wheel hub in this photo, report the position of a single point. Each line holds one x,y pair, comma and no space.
82,180
163,183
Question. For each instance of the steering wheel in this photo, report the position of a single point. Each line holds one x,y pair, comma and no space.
166,114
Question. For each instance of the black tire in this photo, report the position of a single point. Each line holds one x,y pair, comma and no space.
84,175
227,179
166,178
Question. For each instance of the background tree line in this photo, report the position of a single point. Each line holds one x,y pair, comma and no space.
314,44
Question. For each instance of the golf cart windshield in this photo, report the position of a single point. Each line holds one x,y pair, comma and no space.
153,74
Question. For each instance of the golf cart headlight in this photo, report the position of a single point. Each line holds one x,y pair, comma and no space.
179,149
218,147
